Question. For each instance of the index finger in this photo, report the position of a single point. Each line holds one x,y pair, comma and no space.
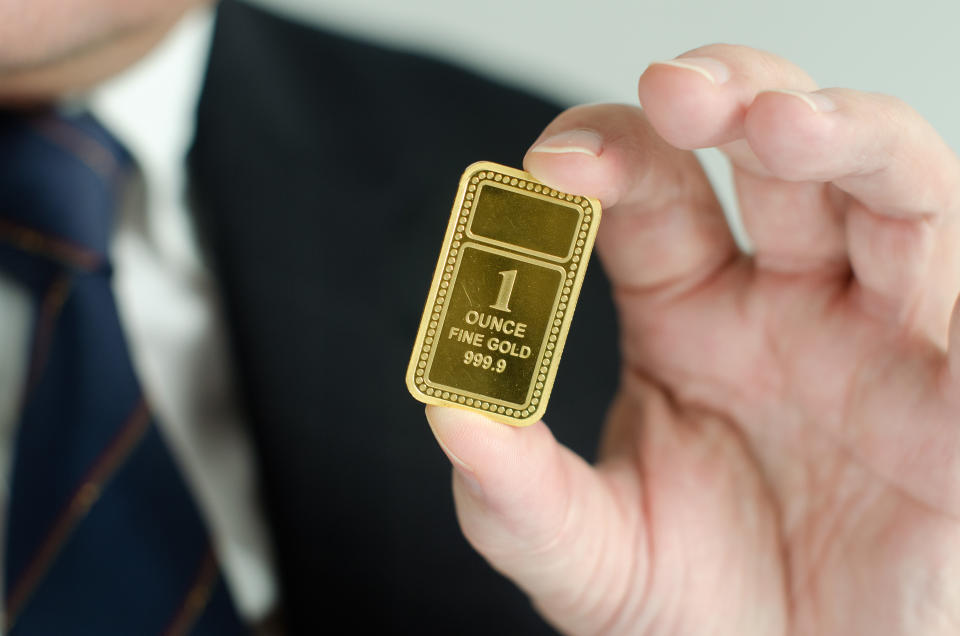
663,228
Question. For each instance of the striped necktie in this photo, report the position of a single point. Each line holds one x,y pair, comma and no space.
102,535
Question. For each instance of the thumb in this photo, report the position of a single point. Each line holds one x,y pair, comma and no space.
540,515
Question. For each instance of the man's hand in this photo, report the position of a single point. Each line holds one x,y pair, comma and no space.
783,456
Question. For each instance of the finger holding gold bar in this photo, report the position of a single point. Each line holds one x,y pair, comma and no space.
503,294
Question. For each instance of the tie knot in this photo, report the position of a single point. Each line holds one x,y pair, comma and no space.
60,178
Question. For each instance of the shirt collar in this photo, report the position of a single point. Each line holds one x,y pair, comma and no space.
151,105
151,108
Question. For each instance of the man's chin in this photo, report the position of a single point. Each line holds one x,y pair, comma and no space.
47,80
32,72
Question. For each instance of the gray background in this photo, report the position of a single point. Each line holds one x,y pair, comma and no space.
594,50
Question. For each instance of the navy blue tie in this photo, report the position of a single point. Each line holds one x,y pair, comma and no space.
102,535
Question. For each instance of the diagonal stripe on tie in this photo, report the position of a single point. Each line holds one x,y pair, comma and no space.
103,536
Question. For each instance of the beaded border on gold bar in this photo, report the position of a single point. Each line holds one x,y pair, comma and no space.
504,411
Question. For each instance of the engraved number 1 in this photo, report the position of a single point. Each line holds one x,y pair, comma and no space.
506,288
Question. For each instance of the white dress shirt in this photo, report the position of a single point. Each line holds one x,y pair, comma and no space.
169,307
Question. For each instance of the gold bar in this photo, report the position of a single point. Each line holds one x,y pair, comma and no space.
503,295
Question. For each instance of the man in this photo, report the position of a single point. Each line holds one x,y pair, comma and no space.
321,174
780,455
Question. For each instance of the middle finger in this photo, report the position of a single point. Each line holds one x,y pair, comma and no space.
700,100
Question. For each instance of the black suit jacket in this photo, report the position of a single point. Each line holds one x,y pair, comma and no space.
324,171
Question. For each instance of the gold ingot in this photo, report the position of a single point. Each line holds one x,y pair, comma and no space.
503,294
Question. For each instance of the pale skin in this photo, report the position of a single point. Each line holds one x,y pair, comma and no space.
53,48
783,454
782,457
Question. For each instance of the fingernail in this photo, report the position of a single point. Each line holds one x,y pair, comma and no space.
818,102
581,140
436,418
714,70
